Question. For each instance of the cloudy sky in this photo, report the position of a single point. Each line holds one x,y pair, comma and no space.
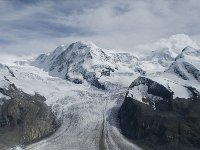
37,26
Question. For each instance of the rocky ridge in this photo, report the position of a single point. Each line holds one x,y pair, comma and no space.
24,118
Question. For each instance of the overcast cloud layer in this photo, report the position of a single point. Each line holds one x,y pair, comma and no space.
36,26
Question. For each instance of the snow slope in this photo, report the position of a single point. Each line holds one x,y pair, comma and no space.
187,64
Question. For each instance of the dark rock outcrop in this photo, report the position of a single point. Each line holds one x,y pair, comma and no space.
154,88
24,118
140,71
175,124
107,71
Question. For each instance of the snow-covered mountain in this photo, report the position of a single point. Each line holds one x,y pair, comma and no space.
89,88
175,44
84,61
164,52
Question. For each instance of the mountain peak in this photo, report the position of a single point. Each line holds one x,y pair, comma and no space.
190,52
187,48
180,41
175,44
84,61
83,44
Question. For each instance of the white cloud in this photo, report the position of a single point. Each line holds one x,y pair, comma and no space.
175,43
120,24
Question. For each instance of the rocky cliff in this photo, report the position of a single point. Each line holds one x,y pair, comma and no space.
159,121
24,118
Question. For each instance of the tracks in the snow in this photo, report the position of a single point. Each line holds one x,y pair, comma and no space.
102,141
87,125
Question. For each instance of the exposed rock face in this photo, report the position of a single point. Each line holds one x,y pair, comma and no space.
171,124
139,70
149,92
24,118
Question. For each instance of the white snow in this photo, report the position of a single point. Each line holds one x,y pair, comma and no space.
138,93
16,148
